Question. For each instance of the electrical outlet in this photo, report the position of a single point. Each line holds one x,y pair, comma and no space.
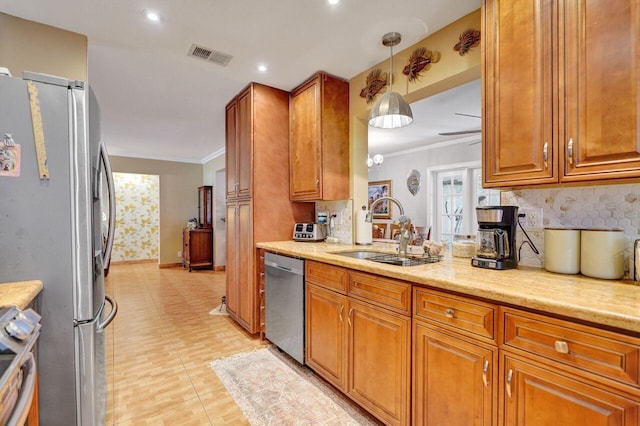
179,253
532,219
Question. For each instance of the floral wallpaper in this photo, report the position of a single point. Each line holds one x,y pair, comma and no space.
137,216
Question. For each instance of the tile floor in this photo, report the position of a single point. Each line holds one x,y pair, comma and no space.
160,346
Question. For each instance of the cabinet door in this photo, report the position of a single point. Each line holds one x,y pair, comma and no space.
325,350
379,361
233,301
454,381
537,395
247,286
200,246
230,149
601,137
518,132
305,143
244,151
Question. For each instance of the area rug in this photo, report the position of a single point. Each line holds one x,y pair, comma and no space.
272,389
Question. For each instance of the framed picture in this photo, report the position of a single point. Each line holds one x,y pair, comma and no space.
381,188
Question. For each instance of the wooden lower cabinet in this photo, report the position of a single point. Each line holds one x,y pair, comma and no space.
535,394
197,248
241,284
326,334
454,379
231,269
464,361
379,362
362,349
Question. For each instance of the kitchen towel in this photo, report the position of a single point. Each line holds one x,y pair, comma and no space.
363,228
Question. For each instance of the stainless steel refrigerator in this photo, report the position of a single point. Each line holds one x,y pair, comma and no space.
57,217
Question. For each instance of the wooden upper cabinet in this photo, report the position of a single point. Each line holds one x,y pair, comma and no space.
561,101
319,139
601,75
230,148
239,145
518,93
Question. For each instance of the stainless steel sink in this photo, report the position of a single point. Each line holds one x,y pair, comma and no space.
358,254
391,259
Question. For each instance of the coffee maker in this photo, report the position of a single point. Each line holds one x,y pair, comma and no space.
496,238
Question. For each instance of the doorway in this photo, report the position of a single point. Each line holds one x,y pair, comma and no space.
136,236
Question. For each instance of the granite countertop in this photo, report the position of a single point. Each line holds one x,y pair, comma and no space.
19,293
604,302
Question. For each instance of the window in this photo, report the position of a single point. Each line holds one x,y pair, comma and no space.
458,192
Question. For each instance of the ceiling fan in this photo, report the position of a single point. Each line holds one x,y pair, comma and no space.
463,132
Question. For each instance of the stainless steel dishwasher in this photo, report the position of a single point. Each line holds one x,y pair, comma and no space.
284,303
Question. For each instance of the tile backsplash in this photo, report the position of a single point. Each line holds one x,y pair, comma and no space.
343,209
603,206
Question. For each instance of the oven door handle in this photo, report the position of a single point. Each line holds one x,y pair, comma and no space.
23,404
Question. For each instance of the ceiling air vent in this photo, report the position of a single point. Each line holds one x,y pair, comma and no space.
208,54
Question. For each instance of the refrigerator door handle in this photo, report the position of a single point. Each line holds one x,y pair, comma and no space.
114,310
104,157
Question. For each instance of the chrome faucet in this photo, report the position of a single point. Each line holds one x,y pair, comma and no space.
404,221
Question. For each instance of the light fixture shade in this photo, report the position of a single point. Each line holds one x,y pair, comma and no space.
390,112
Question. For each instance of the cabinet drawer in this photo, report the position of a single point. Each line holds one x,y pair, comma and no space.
467,316
612,355
327,276
385,292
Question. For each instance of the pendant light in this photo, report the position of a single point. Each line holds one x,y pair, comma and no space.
390,110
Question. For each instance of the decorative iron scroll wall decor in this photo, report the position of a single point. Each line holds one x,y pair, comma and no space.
468,39
418,61
376,81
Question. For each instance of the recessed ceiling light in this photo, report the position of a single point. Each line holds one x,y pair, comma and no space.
262,68
333,1
152,16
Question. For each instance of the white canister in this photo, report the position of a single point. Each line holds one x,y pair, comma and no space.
562,250
602,253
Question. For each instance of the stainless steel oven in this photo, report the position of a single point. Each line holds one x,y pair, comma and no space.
19,332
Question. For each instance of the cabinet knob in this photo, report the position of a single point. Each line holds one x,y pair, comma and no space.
509,377
449,313
561,346
341,309
317,183
349,316
545,155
